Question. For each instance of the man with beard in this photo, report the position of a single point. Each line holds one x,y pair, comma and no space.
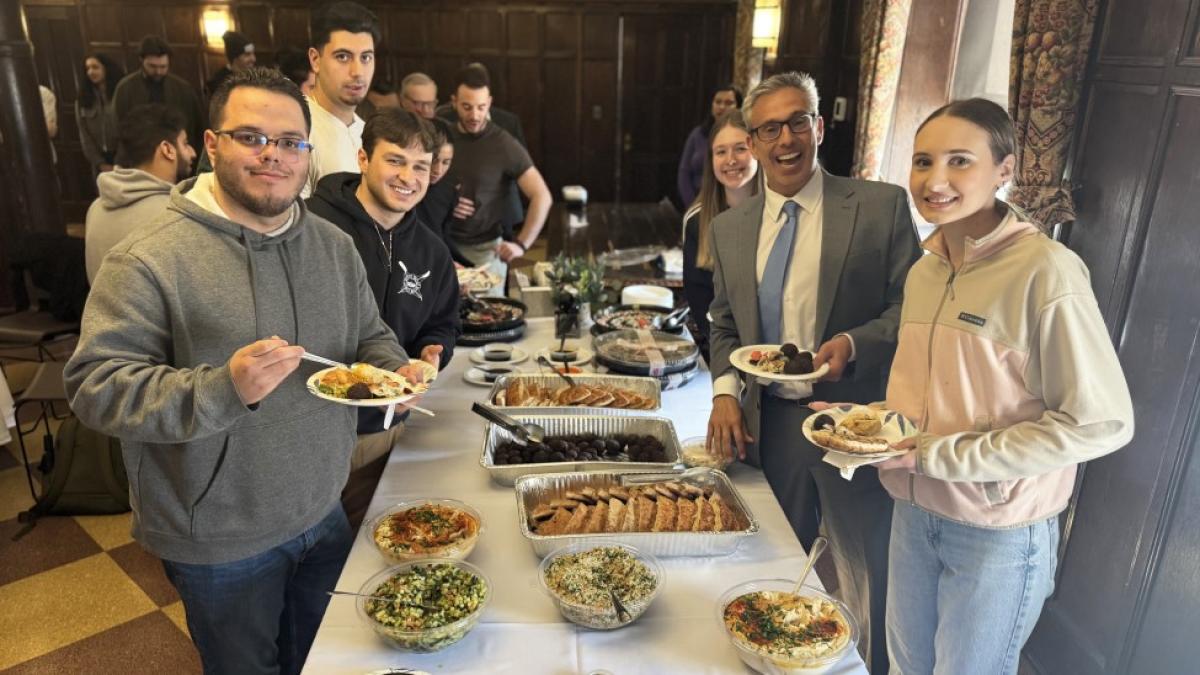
190,354
408,267
239,55
343,57
152,156
488,161
152,83
818,261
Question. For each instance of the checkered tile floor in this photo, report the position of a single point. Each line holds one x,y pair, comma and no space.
77,594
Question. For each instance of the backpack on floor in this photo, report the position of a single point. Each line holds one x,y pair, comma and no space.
82,472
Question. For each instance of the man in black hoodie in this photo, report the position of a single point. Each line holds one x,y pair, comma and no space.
408,267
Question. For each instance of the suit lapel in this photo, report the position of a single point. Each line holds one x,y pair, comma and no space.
837,231
747,262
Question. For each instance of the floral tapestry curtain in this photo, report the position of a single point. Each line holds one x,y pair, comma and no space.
1050,46
884,27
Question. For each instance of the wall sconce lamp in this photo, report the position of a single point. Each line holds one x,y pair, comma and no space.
765,34
214,22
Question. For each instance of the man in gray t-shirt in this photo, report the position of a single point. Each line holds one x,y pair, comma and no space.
487,161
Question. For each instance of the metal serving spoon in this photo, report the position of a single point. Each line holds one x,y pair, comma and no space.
522,433
818,547
384,598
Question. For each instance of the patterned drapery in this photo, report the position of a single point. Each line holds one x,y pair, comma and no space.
1050,46
884,28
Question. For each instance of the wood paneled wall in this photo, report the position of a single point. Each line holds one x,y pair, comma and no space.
581,74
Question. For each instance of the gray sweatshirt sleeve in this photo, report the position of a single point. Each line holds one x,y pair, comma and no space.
120,381
377,344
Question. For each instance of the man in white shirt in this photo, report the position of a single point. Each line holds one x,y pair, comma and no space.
343,57
818,261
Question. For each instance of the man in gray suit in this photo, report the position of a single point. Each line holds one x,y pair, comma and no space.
813,260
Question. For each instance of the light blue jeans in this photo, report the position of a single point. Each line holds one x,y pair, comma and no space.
964,599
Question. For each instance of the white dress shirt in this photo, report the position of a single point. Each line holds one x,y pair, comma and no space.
335,145
798,322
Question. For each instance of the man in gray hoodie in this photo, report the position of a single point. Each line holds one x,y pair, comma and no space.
152,156
190,354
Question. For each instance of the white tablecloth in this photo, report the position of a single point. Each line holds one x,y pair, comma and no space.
521,631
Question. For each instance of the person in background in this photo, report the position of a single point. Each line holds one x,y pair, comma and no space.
408,268
696,147
514,215
1005,360
418,95
730,177
190,353
818,261
153,155
488,161
153,83
343,57
436,209
94,111
294,64
239,55
381,95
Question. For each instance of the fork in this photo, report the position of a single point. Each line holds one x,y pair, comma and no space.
307,356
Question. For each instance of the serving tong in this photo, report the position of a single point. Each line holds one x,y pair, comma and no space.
522,433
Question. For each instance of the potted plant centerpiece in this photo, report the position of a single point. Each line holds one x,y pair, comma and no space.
577,283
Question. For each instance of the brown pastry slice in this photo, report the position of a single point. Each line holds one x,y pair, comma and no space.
664,516
590,494
603,493
708,519
689,490
665,490
597,518
578,496
620,399
730,522
718,513
542,512
685,515
619,492
616,515
578,519
605,400
645,514
695,524
629,521
556,524
576,395
564,503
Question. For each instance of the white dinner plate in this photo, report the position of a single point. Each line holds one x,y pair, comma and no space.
740,359
582,356
430,376
896,427
518,355
475,376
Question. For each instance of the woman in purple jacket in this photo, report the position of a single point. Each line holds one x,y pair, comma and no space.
691,163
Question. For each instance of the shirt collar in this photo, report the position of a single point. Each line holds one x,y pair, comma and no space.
809,196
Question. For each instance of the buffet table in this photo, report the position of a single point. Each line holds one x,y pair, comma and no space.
521,631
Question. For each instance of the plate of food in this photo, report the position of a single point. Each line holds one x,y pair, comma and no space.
858,430
365,385
490,314
637,317
477,279
778,363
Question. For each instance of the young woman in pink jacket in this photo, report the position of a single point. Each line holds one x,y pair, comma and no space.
1006,366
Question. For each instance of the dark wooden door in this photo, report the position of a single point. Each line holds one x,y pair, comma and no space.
1128,594
58,57
670,64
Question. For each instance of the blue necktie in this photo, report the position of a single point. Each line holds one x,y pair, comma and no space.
770,289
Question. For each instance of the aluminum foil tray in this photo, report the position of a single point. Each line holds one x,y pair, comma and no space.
575,423
643,386
533,490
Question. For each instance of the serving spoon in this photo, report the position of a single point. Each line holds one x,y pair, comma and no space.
384,598
522,433
818,547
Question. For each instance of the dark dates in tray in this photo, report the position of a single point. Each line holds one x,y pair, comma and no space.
583,448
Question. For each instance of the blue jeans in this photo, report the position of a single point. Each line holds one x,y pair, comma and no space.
260,615
964,599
